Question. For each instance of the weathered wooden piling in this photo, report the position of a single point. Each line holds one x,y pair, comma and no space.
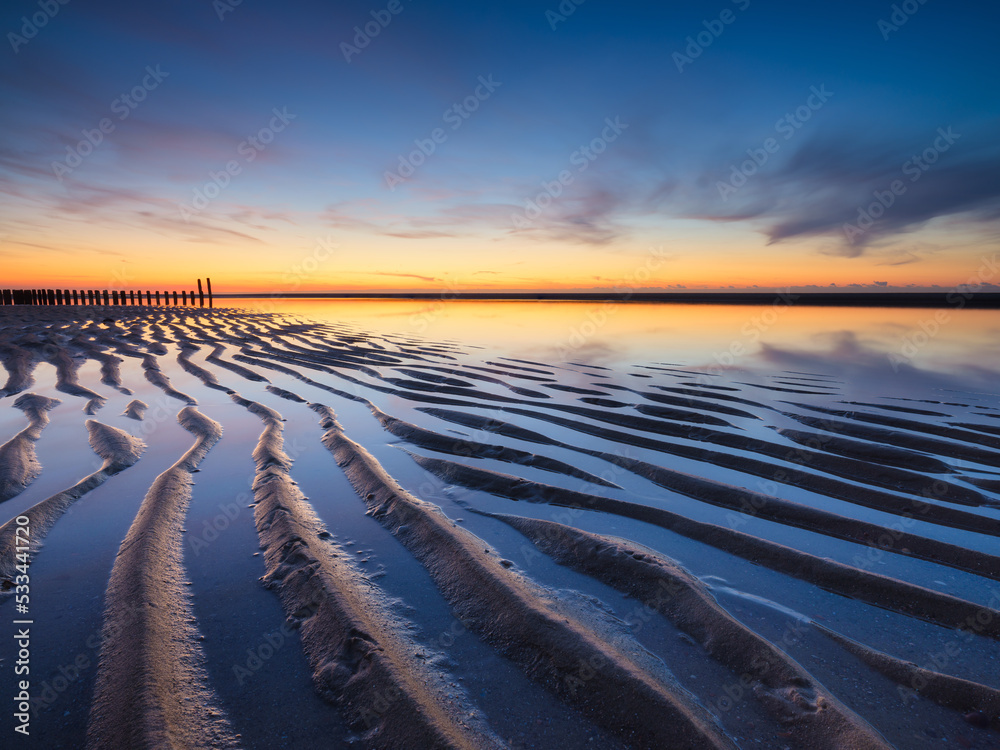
122,297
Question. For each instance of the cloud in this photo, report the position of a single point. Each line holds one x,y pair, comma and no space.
585,214
405,275
869,365
831,181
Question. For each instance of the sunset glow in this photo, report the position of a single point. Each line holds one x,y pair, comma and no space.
498,148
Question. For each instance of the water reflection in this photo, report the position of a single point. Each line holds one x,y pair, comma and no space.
876,348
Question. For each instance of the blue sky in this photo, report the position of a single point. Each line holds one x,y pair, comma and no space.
689,125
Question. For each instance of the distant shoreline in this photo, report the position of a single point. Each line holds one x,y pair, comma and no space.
951,299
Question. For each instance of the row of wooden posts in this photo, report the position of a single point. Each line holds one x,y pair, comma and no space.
100,297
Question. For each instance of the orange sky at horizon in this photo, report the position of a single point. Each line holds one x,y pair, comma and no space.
366,264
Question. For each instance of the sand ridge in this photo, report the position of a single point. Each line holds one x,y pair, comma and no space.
151,688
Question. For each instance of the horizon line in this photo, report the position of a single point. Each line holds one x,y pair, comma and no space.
951,298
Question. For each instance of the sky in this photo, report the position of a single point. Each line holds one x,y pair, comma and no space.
410,145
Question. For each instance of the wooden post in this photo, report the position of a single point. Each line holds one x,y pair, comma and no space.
157,296
149,297
209,291
175,299
107,297
201,294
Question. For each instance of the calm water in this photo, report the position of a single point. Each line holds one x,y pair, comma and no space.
881,350
777,362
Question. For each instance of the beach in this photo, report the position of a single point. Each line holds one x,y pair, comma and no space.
237,527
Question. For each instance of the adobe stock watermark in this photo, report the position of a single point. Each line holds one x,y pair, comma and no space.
222,7
786,127
30,26
422,320
249,149
754,329
598,317
581,159
123,106
958,298
363,35
901,13
298,272
701,41
455,116
914,168
268,645
564,10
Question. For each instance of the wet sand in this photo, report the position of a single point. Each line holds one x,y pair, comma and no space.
568,529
